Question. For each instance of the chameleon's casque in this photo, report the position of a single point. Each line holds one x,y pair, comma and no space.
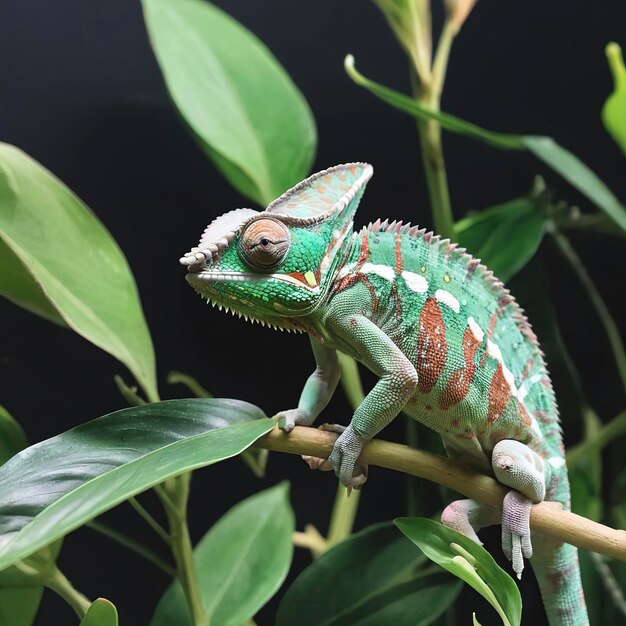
449,343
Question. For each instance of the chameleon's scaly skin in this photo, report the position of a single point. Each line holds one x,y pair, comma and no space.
450,346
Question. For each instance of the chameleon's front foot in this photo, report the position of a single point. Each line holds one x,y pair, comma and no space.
516,543
294,417
343,458
359,470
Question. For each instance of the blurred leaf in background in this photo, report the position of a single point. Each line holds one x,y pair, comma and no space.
614,109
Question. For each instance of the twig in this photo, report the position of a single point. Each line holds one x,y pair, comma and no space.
594,443
310,539
129,393
180,378
546,518
147,517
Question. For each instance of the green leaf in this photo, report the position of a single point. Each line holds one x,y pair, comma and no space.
505,237
100,613
614,109
238,101
373,577
563,162
467,560
60,262
12,437
59,484
241,562
19,606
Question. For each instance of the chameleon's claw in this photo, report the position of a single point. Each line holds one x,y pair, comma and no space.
293,417
516,543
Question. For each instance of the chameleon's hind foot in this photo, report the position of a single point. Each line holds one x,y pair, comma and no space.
469,516
358,471
294,417
516,543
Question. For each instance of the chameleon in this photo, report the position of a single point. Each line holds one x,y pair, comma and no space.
448,342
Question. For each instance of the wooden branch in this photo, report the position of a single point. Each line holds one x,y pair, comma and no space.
547,518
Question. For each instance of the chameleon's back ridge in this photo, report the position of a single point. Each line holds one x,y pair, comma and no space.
450,345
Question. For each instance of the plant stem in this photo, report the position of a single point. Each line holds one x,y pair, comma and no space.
595,442
55,580
147,517
180,378
610,327
132,544
310,539
182,549
129,393
343,515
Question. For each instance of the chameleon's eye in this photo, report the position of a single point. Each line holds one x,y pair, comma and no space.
264,244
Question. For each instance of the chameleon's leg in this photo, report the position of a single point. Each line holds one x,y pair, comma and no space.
398,380
318,389
469,516
516,465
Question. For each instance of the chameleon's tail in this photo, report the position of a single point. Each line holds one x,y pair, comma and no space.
558,574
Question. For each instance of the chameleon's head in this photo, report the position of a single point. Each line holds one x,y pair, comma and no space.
277,264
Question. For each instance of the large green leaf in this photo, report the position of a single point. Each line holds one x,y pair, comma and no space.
241,562
470,562
563,162
60,262
505,237
19,606
59,484
102,612
237,99
373,577
614,109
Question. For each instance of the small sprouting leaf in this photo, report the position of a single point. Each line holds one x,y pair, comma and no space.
614,109
57,485
238,101
563,162
60,262
467,560
241,562
102,612
12,437
373,577
505,237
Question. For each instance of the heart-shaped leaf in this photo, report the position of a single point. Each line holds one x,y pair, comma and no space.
505,237
467,560
239,102
241,562
60,262
59,484
563,162
100,613
373,577
614,109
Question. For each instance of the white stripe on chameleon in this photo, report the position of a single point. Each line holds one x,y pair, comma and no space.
477,331
415,282
384,271
557,461
527,384
345,270
447,298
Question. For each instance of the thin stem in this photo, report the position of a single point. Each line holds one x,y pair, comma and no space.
180,378
596,441
610,583
55,580
132,544
147,517
182,548
610,327
311,539
343,515
442,56
129,393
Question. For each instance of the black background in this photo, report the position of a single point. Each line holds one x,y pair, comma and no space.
80,91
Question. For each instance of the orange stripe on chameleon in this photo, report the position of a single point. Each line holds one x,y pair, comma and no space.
432,349
460,381
499,394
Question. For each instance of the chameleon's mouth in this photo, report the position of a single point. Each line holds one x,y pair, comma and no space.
196,279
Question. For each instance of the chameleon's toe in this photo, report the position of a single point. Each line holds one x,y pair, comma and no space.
293,417
469,516
516,543
344,457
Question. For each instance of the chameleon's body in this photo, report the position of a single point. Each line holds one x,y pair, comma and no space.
450,345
